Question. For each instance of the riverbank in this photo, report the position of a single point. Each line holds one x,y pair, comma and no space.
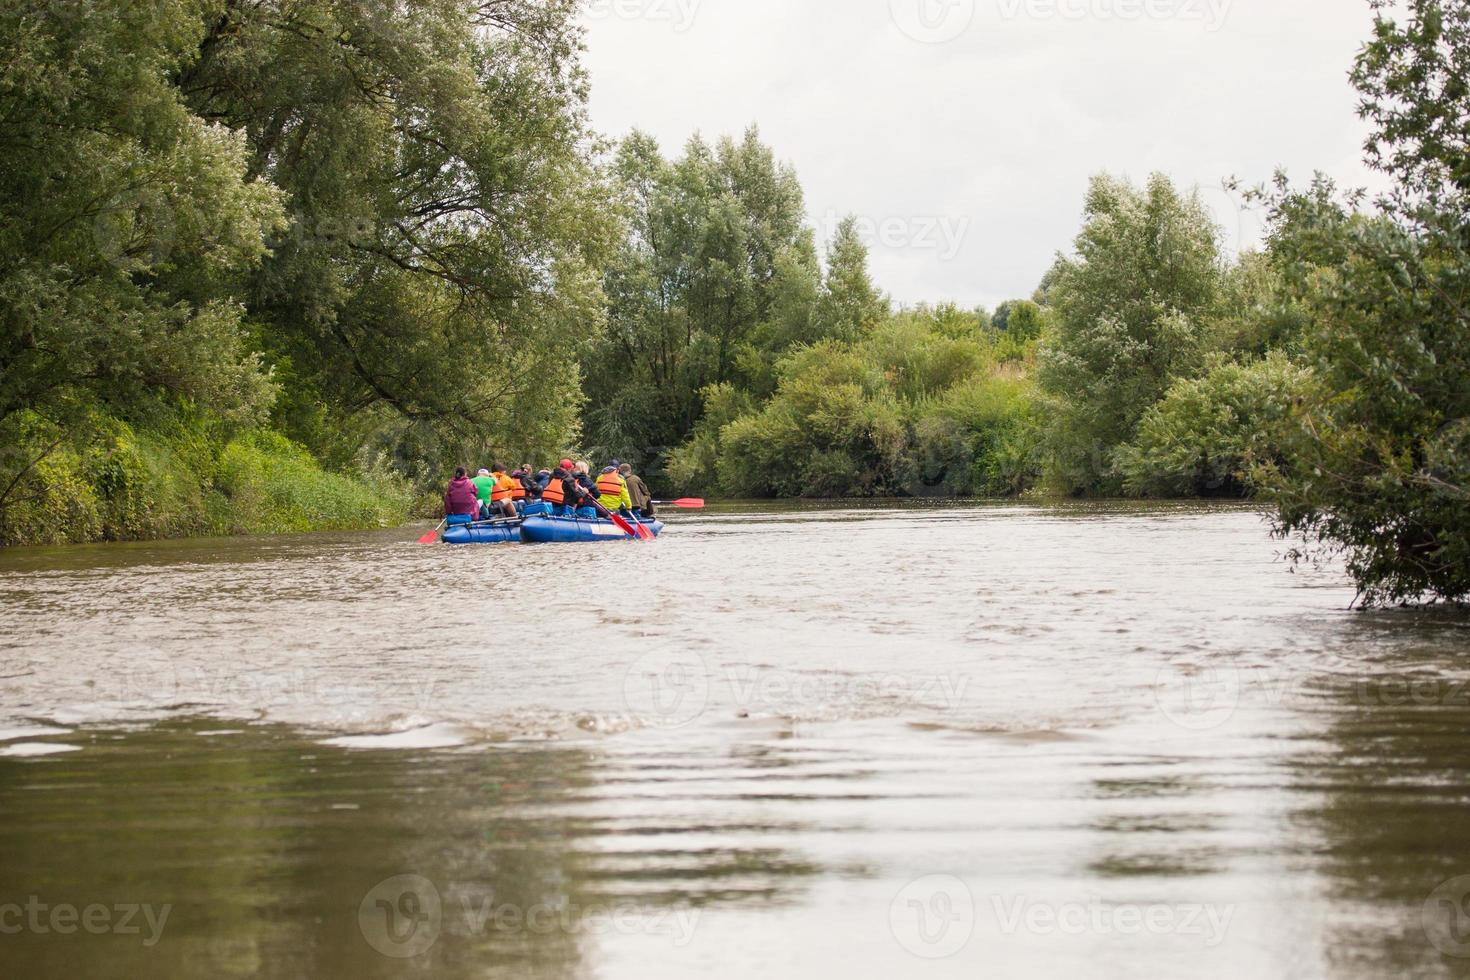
186,481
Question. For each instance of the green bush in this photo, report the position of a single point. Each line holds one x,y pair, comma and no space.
1207,434
919,407
274,486
103,479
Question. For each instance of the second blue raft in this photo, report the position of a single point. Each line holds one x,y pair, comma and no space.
572,530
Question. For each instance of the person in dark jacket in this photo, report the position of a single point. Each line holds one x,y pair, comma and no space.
638,490
461,500
588,483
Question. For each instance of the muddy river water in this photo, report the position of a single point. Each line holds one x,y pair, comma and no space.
1005,741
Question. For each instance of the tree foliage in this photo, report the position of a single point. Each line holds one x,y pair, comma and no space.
1131,312
446,236
1383,467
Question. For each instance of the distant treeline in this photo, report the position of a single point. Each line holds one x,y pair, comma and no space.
276,265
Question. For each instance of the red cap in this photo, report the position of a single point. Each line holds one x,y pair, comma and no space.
566,464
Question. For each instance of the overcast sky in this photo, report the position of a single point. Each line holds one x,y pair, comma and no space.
962,132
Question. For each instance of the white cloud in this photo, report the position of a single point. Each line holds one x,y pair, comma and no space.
997,129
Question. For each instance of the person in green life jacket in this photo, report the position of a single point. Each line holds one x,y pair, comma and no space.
485,485
612,492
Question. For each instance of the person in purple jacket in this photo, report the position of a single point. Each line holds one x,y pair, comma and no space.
461,504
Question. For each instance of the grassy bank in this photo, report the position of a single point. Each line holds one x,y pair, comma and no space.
107,480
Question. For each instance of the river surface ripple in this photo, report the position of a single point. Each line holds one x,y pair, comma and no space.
1008,741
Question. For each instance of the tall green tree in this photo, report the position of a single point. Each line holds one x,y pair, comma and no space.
717,271
850,305
1382,469
447,230
1132,308
125,223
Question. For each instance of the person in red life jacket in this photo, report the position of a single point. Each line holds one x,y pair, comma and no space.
461,503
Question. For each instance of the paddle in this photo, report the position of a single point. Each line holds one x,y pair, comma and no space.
646,533
640,532
688,503
433,535
498,522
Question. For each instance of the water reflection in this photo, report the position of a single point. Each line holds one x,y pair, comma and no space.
277,856
1386,797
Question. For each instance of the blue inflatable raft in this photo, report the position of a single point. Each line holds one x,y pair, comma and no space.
483,533
573,530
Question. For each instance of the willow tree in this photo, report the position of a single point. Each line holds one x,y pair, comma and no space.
718,269
1383,468
125,221
1132,308
441,267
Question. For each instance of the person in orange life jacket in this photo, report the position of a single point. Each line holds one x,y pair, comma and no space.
461,502
501,504
519,493
531,488
612,492
560,493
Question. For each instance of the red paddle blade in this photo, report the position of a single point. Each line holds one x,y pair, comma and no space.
429,538
622,523
690,503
